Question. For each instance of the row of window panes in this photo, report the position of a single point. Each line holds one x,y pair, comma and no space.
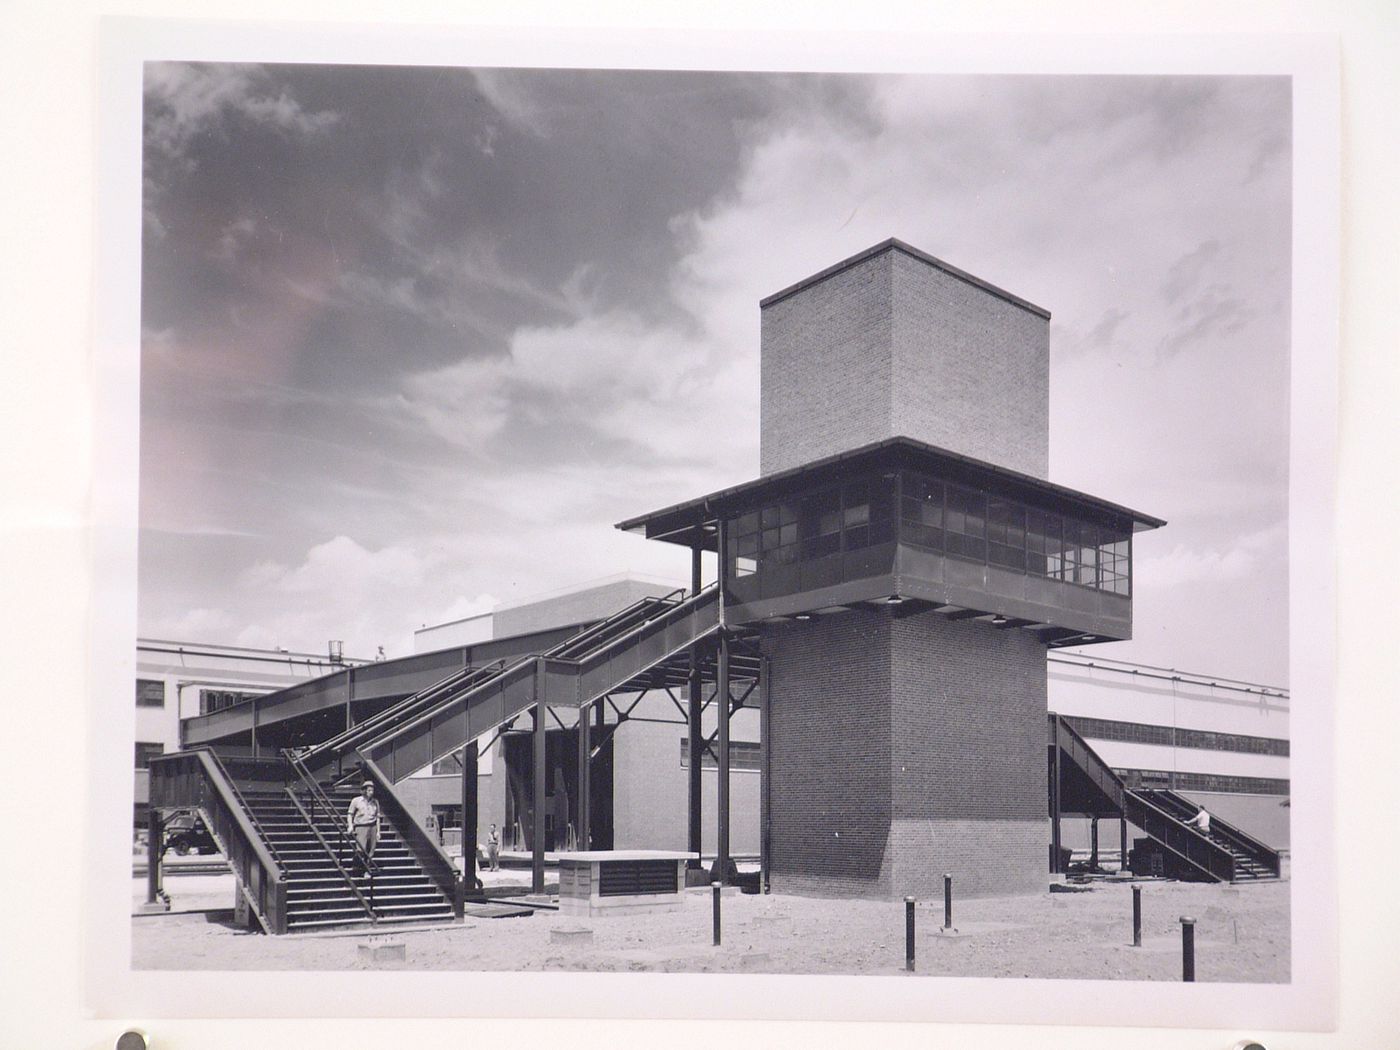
1166,736
743,755
1177,781
842,518
218,699
150,692
1003,532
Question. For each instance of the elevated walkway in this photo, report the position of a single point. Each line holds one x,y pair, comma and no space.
280,821
1082,783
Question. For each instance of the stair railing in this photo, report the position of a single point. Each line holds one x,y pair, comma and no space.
320,801
436,864
1184,841
366,904
195,779
1263,855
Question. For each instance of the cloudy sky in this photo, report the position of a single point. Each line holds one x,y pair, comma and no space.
413,339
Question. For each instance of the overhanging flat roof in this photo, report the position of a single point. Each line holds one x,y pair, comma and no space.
685,523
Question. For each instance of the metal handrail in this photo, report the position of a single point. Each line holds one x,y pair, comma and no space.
319,798
1248,844
346,739
1167,828
689,605
195,778
248,811
587,633
368,905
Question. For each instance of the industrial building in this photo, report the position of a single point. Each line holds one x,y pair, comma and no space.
888,591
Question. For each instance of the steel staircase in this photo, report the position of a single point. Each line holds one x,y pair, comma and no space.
1226,855
323,889
1253,859
283,820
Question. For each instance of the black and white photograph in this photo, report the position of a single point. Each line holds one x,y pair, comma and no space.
657,505
600,532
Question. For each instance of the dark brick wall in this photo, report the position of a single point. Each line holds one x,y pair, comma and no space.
903,749
829,733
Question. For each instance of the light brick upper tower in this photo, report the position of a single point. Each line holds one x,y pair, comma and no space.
895,342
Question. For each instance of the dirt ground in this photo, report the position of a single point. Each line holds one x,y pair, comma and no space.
1242,935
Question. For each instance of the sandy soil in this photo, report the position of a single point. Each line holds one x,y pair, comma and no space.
1241,935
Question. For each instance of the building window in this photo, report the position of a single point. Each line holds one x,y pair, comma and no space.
150,692
218,699
744,756
1166,736
848,517
1219,782
145,751
448,765
997,530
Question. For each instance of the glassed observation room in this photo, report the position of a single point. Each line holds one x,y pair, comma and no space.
906,524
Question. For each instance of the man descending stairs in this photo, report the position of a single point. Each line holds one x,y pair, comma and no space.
323,888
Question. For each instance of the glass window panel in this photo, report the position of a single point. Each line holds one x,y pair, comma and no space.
150,692
821,546
788,534
771,539
745,566
820,513
746,523
857,515
746,545
769,517
858,538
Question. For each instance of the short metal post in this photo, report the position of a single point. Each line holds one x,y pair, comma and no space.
909,934
947,902
1188,948
714,893
1137,916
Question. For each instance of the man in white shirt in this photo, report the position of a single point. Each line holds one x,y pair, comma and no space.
1201,821
363,820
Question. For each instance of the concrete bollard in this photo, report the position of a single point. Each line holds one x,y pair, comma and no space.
947,901
715,888
1188,948
909,934
1137,916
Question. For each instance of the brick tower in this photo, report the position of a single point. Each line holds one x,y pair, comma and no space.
903,564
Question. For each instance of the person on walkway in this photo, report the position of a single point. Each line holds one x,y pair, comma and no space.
493,848
363,819
1201,821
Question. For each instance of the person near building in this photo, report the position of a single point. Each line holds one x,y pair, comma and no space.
1201,821
493,849
363,819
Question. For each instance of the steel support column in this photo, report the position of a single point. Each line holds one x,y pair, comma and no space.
254,732
537,803
1122,842
1055,797
584,798
1093,842
765,759
469,817
155,828
694,833
722,702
